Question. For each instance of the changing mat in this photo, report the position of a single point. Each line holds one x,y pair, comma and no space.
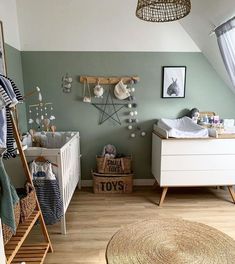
182,128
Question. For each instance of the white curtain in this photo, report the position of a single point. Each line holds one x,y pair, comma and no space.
226,40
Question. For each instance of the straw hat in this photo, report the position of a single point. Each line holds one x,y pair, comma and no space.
121,91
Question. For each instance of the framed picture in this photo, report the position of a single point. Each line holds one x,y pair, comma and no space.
2,52
173,81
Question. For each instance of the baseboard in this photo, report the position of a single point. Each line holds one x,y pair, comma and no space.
136,182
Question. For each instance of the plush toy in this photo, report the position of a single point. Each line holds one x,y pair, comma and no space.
194,114
109,151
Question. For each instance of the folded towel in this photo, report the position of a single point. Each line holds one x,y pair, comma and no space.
8,199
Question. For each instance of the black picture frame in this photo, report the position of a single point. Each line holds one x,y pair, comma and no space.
173,81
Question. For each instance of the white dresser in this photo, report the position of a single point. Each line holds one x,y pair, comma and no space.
193,162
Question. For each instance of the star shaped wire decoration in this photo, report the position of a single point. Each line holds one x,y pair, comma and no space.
104,109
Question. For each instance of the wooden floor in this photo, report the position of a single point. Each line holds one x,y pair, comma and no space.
93,219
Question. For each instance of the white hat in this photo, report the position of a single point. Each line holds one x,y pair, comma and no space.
121,91
98,91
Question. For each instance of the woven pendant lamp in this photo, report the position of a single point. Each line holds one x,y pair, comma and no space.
162,10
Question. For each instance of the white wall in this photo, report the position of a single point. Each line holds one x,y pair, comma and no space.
8,15
95,25
204,17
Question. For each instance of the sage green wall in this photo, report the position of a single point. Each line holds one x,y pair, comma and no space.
14,71
204,89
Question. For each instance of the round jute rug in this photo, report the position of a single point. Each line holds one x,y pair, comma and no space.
170,241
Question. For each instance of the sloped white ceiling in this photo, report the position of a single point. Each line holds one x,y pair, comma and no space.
95,25
204,17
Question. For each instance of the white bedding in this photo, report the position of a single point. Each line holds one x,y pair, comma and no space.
182,128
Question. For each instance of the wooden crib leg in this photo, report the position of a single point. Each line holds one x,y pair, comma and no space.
232,193
164,191
63,225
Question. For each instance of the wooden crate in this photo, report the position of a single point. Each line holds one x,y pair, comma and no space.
112,183
114,166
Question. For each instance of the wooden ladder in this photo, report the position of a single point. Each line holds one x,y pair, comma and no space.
15,250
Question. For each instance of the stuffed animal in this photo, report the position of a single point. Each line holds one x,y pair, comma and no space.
194,114
109,151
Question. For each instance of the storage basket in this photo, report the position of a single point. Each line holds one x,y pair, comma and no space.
114,165
112,183
6,230
27,201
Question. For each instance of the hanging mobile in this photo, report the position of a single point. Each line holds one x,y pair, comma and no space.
31,121
52,117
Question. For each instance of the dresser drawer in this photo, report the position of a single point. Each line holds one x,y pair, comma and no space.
197,162
197,178
197,146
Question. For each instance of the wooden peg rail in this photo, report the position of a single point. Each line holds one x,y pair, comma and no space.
108,80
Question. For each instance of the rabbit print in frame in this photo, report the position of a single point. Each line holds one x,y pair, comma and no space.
173,81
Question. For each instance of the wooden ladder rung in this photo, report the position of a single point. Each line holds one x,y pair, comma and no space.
12,247
31,254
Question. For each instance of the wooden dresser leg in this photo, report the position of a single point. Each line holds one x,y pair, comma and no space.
164,191
232,193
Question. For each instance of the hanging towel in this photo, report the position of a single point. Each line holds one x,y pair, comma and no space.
5,99
48,191
6,84
8,199
3,128
12,90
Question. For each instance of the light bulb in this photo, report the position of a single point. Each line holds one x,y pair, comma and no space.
133,135
130,127
131,113
132,89
68,85
143,133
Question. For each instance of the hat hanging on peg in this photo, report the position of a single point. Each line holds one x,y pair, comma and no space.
98,90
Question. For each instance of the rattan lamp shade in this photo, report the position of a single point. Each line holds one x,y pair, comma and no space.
162,10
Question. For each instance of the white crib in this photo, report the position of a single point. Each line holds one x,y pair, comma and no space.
66,156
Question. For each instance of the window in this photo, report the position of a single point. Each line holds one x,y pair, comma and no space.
226,40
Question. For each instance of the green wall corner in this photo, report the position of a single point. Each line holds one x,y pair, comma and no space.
15,72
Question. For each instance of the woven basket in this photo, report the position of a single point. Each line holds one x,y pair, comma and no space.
114,166
27,201
112,183
6,230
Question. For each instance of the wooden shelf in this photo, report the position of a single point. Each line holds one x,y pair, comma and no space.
31,254
108,80
13,246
